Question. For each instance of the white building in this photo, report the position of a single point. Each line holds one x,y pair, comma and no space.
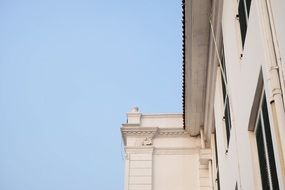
231,134
161,155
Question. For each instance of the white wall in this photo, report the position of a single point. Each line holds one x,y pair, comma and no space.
238,164
173,159
179,172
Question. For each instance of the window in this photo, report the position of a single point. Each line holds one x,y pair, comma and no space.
217,165
227,113
265,149
243,15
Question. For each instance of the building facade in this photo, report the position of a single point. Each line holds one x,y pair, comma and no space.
161,155
233,120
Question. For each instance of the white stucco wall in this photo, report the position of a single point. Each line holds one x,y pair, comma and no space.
171,160
239,165
176,172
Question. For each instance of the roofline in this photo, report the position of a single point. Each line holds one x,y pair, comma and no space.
183,62
193,63
211,65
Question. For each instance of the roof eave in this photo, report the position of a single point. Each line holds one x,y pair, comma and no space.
195,58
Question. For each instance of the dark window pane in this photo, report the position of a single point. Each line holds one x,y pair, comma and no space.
227,115
269,144
218,180
224,89
224,78
216,152
242,20
228,120
262,157
248,3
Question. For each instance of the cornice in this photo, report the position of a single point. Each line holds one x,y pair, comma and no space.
217,10
139,131
152,131
173,132
196,40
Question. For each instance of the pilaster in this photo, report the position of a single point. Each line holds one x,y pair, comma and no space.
139,163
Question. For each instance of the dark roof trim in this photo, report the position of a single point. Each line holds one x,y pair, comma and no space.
183,61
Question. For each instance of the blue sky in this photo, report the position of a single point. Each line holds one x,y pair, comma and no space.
69,71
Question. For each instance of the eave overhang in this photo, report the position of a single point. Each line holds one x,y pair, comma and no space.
196,32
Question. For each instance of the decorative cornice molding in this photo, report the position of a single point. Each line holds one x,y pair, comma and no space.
130,125
146,131
151,132
139,131
173,132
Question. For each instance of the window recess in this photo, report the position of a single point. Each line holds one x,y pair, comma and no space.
226,111
265,150
243,16
217,165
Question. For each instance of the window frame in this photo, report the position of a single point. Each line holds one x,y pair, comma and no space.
216,164
246,12
259,123
227,118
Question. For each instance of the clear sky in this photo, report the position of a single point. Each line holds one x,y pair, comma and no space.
69,71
